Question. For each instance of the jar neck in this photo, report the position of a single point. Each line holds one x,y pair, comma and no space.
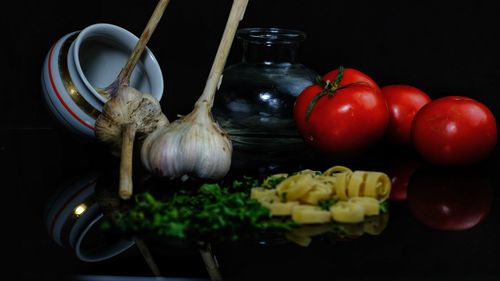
270,53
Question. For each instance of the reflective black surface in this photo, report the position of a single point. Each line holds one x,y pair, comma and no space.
442,48
447,228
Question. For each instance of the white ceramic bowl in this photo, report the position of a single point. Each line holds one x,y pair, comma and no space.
72,219
91,58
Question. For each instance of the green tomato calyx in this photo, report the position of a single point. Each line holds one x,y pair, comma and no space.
329,88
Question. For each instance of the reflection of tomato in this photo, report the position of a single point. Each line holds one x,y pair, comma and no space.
404,102
400,174
449,200
454,131
346,115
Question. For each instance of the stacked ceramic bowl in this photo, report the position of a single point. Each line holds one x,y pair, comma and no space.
83,61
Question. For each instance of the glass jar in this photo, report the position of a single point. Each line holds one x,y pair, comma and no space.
255,101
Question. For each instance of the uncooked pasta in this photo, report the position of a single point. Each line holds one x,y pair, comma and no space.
313,197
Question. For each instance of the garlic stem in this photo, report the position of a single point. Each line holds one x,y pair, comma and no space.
123,78
211,263
126,72
146,254
128,136
235,16
195,145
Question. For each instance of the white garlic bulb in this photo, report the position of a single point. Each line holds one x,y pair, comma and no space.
194,146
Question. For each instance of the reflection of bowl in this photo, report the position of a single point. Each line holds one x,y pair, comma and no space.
72,219
79,62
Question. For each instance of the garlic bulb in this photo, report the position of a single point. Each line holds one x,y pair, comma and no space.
140,112
195,145
129,111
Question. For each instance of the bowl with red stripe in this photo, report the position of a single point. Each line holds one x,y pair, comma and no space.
81,62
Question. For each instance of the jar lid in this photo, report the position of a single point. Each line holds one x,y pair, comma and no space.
271,35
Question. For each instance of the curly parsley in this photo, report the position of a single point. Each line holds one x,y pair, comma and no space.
210,213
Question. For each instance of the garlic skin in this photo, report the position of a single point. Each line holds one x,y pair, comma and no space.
128,107
193,145
128,113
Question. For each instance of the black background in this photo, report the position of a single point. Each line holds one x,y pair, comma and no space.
441,47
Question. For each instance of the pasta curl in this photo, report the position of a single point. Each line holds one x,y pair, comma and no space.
313,197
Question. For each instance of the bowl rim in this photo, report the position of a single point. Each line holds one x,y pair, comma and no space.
110,251
116,33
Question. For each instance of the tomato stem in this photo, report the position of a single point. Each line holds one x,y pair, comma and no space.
329,89
313,103
339,77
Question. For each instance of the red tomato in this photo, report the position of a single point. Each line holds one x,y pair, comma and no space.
454,131
350,76
403,102
450,200
344,117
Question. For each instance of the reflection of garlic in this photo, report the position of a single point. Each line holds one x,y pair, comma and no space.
193,145
129,111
